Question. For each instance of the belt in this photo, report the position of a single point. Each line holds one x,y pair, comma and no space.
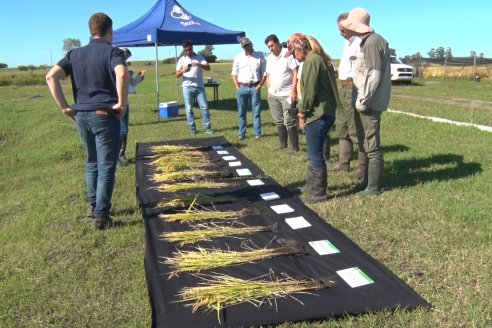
249,85
347,83
105,111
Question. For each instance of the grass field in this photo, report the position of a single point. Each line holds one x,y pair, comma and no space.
432,226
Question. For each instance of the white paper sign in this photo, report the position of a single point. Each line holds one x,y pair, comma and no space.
269,196
256,182
229,158
297,223
243,172
324,247
232,164
281,209
355,277
217,147
222,152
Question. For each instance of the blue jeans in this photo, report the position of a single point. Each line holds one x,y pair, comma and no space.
101,139
189,95
124,121
316,132
247,97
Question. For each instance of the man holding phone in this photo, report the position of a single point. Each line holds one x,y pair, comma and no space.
190,67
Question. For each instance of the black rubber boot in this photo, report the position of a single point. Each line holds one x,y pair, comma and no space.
318,186
306,189
344,155
294,139
282,137
122,158
374,177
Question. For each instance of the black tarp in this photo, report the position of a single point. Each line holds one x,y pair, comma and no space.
386,291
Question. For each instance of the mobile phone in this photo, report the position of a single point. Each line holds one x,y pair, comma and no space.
189,65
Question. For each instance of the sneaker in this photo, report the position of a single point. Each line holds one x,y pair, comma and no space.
241,137
102,222
258,137
192,131
209,131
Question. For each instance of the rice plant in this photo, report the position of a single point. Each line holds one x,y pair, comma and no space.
215,292
171,149
192,215
182,186
209,258
213,231
189,200
181,161
183,175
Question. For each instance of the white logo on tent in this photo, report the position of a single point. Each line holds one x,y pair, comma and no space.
179,14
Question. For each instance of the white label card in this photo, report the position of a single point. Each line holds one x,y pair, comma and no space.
355,277
297,222
222,152
237,163
269,196
216,147
324,247
281,209
243,172
256,182
229,158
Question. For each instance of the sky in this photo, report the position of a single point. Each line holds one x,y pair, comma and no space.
32,31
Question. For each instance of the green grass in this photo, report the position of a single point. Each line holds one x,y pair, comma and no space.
431,226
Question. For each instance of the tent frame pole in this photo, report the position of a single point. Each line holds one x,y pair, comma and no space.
157,80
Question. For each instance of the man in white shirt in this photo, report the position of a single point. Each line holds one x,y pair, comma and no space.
345,124
248,70
190,67
281,72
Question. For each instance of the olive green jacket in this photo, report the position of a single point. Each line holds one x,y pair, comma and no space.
319,88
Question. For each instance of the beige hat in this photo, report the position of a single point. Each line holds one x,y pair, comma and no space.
358,21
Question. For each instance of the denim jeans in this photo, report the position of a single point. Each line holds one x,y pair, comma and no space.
315,137
247,97
124,121
189,95
101,139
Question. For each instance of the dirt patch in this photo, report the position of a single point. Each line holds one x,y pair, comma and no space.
461,102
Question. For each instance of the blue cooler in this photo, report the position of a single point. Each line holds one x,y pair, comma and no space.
168,109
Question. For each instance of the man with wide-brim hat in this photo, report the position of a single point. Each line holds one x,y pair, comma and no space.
372,81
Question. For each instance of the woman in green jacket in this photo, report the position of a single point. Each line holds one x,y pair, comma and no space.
317,108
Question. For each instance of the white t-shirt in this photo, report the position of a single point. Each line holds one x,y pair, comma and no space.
194,77
279,71
346,68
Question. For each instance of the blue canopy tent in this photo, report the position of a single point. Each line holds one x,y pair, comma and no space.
168,23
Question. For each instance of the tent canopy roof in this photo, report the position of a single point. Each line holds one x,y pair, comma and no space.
168,23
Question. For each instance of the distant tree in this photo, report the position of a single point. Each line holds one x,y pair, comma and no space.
449,53
32,67
22,68
2,65
473,54
70,44
432,54
440,55
392,52
207,53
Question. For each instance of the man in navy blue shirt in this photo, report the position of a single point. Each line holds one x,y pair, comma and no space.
100,90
